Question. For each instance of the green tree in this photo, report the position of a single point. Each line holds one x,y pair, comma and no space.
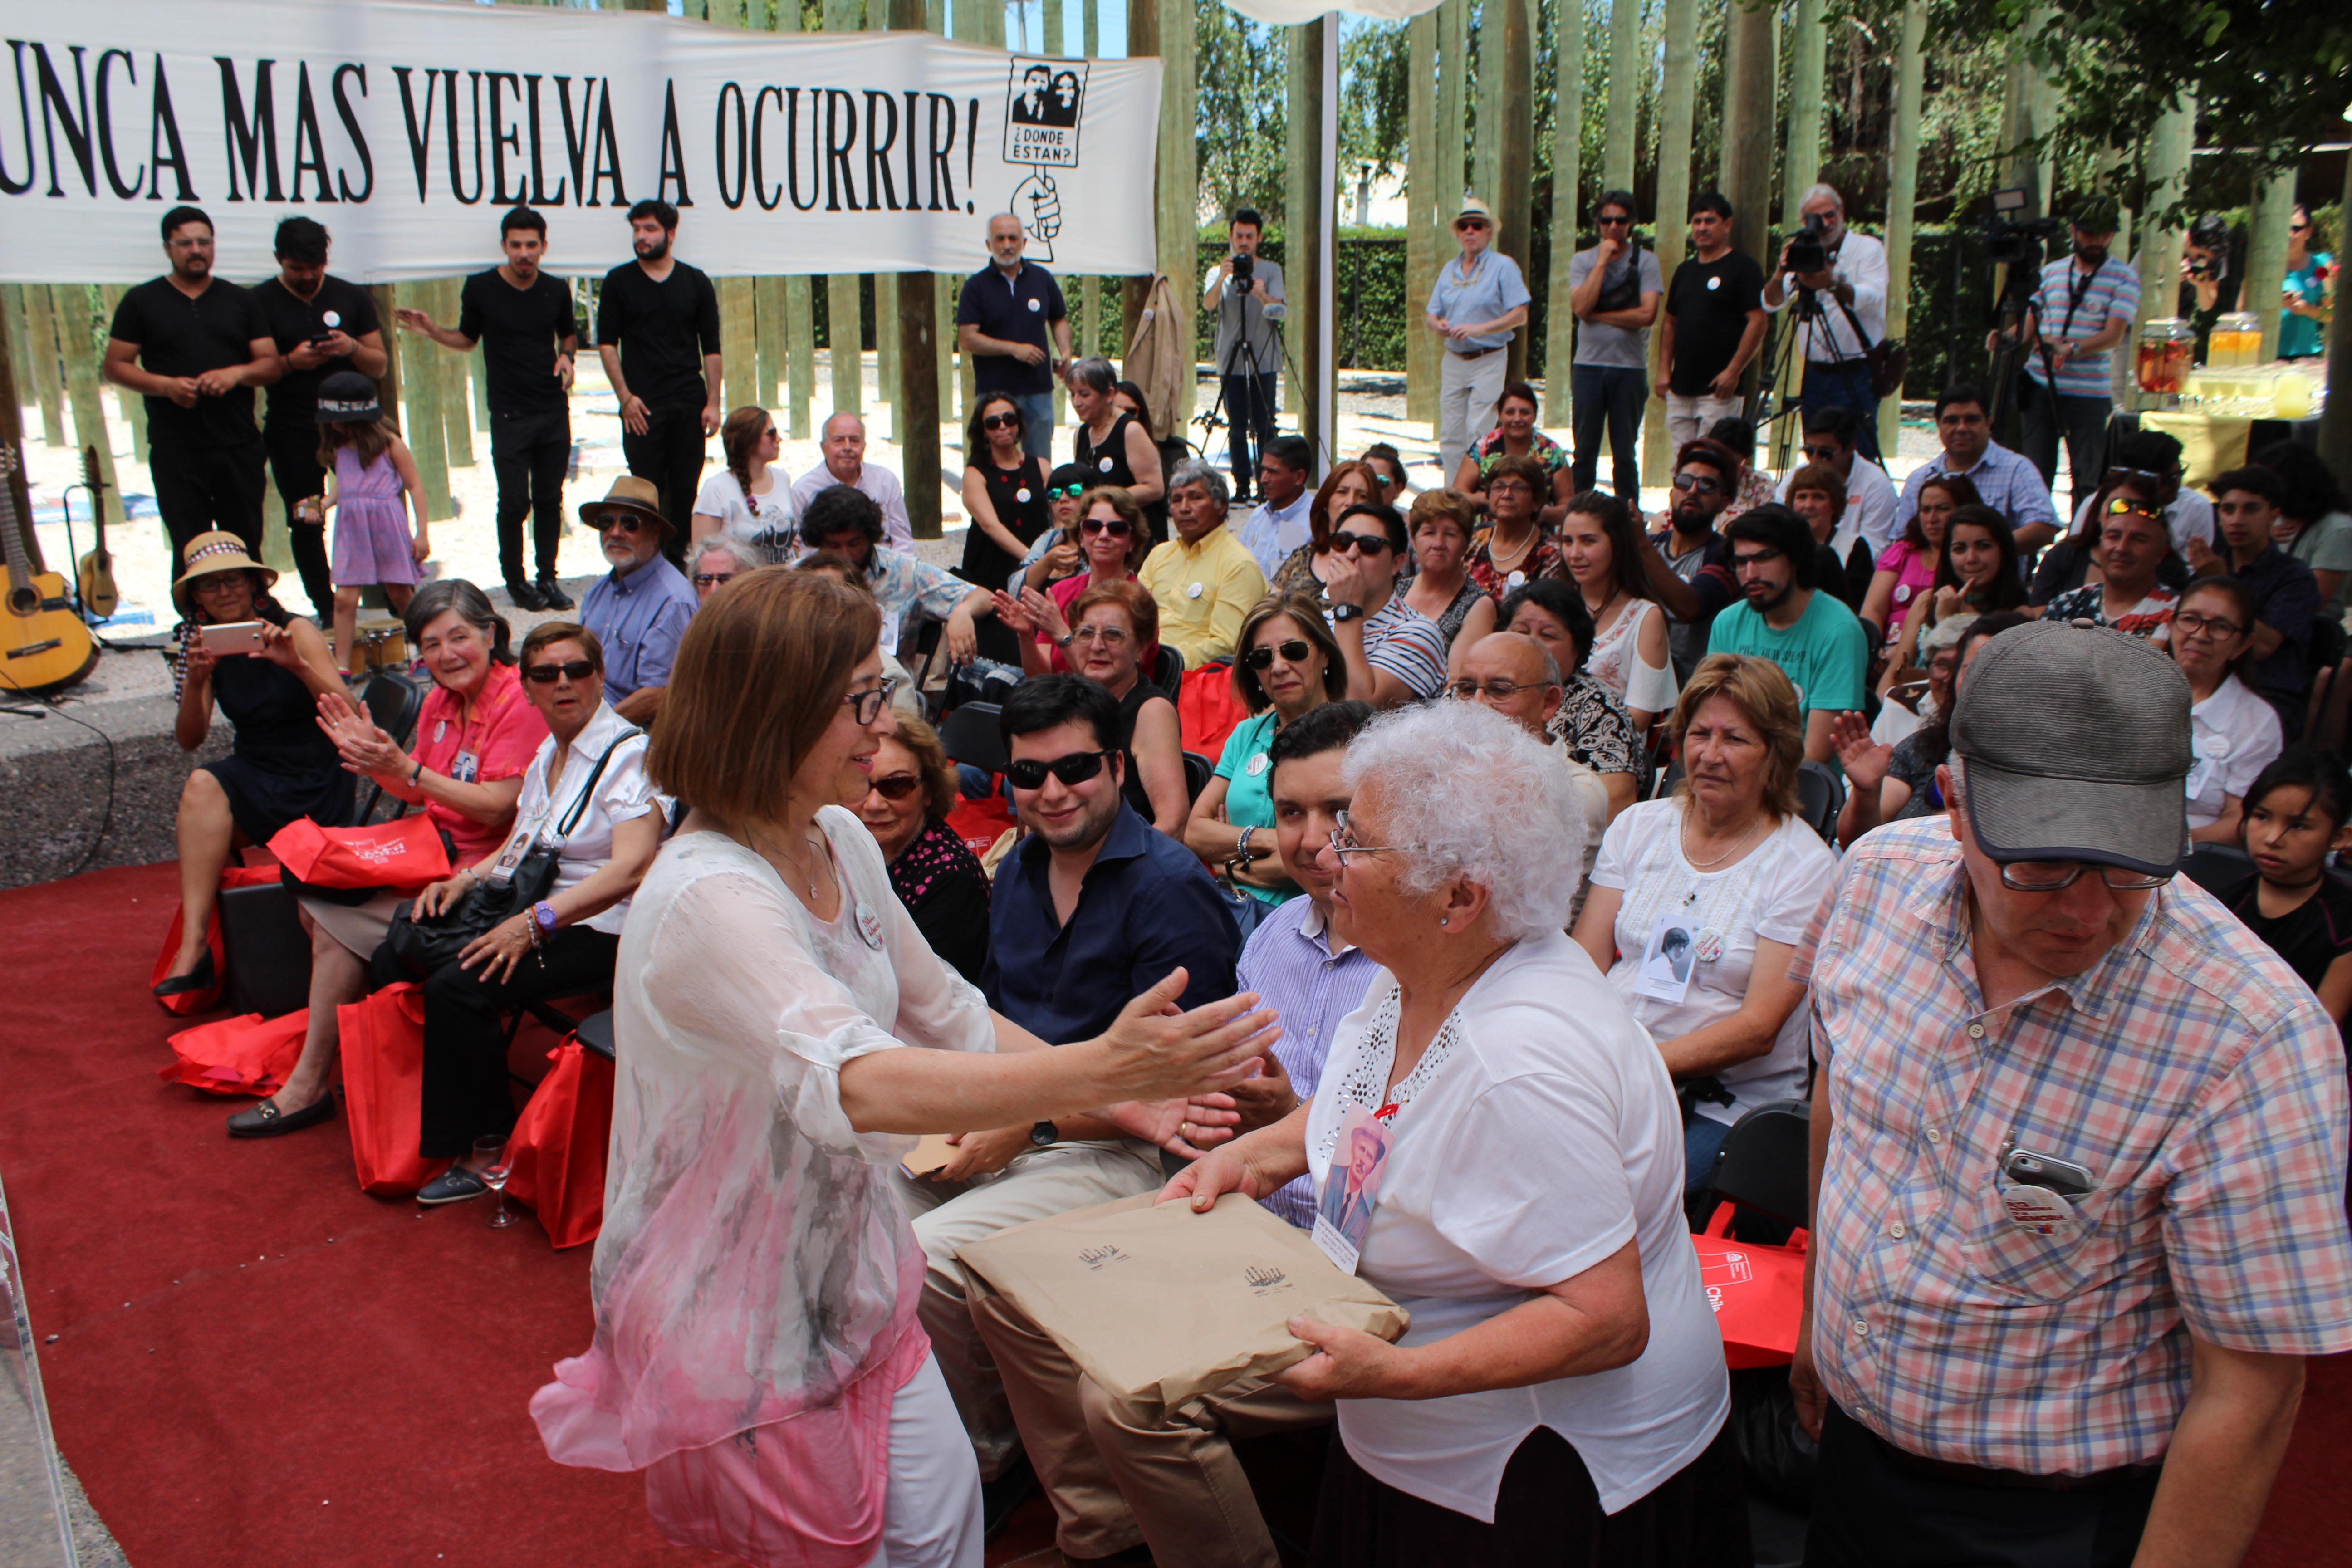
1242,111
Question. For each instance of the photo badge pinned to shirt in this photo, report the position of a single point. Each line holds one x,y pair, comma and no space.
466,767
1351,1187
1669,958
869,927
2212,752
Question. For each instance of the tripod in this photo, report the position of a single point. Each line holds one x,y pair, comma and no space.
1255,416
2020,284
1806,309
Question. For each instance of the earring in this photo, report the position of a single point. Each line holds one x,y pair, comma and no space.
1442,920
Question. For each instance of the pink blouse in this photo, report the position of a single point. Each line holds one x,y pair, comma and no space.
498,744
1065,594
1914,573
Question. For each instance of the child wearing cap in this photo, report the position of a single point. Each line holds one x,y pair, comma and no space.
369,467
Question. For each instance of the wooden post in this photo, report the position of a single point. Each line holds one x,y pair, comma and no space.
1486,87
1307,189
843,334
2266,221
1902,195
1453,105
1677,101
134,406
1515,149
1180,181
1142,43
456,416
1801,163
427,439
1747,170
40,318
1567,185
1618,152
1422,188
886,302
910,300
20,362
90,403
800,321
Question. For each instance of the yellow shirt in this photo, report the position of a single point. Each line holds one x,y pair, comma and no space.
1204,591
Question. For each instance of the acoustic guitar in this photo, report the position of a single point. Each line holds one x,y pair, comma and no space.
43,642
95,574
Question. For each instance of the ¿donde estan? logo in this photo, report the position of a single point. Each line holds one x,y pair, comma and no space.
1044,100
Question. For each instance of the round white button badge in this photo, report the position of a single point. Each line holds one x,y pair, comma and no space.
1192,592
1104,465
1035,306
1022,495
1713,284
1255,765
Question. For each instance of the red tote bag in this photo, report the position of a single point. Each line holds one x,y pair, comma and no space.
1758,1292
980,823
383,1086
188,1003
558,1145
1207,710
247,1055
404,853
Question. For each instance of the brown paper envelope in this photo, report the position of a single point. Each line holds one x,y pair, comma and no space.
1160,1304
929,1155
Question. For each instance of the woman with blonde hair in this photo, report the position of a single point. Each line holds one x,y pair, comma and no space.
1729,867
786,1029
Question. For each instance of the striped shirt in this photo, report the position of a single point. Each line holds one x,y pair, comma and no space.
1407,643
2074,306
1290,965
2008,483
2189,1070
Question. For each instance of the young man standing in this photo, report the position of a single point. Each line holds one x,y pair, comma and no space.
657,333
2246,502
1713,323
1249,349
1871,503
322,325
1614,289
524,320
1811,635
1012,325
2084,305
2004,480
197,347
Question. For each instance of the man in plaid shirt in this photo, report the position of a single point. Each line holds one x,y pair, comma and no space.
2078,1151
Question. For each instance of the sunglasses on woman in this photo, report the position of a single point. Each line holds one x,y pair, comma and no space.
1000,422
548,674
1117,527
1075,768
898,786
1294,650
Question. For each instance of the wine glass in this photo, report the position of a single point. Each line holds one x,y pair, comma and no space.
493,1163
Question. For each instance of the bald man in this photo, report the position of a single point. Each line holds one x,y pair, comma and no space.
1014,332
1517,677
845,464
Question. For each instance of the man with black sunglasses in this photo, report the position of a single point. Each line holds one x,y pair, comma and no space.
638,609
1871,502
1614,289
1092,906
1704,478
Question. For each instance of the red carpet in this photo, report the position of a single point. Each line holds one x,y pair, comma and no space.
254,1363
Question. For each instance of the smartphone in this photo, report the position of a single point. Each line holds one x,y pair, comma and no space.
232,637
2064,1177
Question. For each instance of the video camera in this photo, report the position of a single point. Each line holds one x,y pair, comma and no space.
2010,243
1806,251
1245,272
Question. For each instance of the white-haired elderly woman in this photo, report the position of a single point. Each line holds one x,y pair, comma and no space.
1699,901
1560,1395
716,559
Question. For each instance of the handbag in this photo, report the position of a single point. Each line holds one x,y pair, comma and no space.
558,1145
1889,358
406,854
382,1040
428,944
1758,1292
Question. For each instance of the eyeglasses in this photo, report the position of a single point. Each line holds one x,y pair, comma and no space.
1500,690
1698,484
2298,228
2190,624
1825,453
1343,843
1754,558
2051,876
898,786
1000,422
863,706
548,674
1294,650
1109,637
1363,543
627,521
1065,492
1117,527
1618,222
713,579
1075,768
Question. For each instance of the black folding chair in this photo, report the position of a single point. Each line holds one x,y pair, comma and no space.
393,702
1763,1162
1822,792
1167,672
970,735
2214,867
1198,772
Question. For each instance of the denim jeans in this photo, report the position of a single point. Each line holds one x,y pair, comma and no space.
1615,394
1844,386
1036,423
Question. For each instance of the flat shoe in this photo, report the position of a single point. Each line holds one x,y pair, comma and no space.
266,1120
452,1187
200,978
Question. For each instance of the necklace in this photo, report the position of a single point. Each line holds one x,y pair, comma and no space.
1746,839
1501,559
772,855
1601,610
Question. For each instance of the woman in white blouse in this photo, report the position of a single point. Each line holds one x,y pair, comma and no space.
757,1352
1561,1394
2236,735
1699,901
1605,554
749,498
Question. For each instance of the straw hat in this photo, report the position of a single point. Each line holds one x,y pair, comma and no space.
629,493
1474,206
217,551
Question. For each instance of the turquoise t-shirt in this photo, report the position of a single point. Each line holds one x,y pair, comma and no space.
1248,773
1824,655
2300,335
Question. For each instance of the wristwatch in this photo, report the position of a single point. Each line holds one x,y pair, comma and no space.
542,918
1043,1135
1347,612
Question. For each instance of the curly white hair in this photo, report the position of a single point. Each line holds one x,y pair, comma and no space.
1479,799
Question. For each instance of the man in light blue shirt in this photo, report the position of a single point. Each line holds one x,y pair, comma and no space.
1279,526
1478,301
639,609
2004,480
1811,634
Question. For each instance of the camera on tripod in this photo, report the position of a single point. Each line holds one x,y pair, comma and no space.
1806,251
1245,272
2010,243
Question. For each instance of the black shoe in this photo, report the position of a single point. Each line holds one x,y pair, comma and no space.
266,1120
552,593
1000,1498
200,978
525,596
452,1187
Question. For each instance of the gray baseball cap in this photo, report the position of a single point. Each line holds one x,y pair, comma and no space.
2077,743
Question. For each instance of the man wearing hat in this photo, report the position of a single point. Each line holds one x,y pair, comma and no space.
2078,1151
638,609
1479,299
2084,306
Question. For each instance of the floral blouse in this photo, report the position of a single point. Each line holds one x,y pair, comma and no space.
1541,560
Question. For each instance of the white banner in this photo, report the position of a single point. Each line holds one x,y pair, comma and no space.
407,128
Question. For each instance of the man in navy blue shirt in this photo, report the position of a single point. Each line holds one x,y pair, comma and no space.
1012,324
1091,908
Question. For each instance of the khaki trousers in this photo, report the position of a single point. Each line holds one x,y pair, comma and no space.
1037,1186
1120,1472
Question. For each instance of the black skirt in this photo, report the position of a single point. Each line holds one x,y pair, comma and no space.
1546,1515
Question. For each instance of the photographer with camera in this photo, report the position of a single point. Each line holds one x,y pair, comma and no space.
2084,305
1838,280
1615,288
1244,293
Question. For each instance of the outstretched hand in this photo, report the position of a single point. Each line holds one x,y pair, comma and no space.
1864,760
1158,1052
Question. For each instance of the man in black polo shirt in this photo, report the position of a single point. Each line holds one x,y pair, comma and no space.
1714,324
197,347
653,315
321,325
1009,322
524,322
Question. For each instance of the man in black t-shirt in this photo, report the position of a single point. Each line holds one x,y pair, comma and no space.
1014,331
654,315
1713,323
322,325
524,322
197,347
